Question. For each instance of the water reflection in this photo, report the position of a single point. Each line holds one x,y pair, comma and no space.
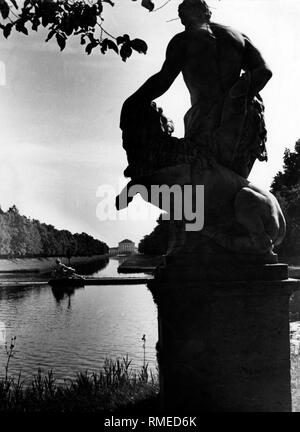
2,333
112,270
18,293
60,293
91,267
76,329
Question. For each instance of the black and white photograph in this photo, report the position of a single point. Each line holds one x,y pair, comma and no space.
149,209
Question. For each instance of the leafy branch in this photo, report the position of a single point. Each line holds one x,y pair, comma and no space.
65,18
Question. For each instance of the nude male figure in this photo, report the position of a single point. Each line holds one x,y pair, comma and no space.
223,71
211,58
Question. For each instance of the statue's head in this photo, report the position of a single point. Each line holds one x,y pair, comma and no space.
194,11
146,119
146,131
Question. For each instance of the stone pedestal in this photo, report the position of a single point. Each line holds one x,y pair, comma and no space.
224,345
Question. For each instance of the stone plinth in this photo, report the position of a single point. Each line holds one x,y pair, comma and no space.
223,345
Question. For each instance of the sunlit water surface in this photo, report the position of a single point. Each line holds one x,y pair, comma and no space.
76,333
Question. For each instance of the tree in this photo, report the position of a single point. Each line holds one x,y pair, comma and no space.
291,170
4,237
13,210
21,237
286,188
64,18
156,243
32,236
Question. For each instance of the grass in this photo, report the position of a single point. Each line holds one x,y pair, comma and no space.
115,388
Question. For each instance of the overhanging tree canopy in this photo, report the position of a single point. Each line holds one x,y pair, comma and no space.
64,18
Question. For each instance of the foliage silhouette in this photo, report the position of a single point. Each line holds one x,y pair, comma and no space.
64,18
286,188
156,243
20,237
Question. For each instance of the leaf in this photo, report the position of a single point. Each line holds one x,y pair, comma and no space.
108,44
45,20
23,30
90,47
7,30
20,27
100,6
67,24
108,1
91,38
50,35
120,40
139,45
126,38
35,23
88,17
148,4
123,39
4,9
125,51
61,40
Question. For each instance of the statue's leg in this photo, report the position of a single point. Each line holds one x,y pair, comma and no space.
270,211
173,177
252,209
279,229
169,176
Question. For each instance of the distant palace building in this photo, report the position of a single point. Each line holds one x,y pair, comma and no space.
126,247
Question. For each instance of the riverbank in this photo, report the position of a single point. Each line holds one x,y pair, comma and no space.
139,263
43,265
116,388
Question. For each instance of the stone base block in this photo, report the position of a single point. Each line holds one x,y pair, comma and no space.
224,346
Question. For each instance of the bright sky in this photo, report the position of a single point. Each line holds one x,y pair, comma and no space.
60,139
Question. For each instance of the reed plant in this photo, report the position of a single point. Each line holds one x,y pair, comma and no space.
116,387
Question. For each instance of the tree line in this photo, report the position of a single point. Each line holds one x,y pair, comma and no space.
286,188
24,237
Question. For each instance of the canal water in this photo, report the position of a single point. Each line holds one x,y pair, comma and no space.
76,332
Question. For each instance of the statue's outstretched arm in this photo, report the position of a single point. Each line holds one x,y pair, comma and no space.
256,65
159,83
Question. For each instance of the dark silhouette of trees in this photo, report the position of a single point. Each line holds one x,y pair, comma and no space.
286,188
23,237
156,243
64,18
